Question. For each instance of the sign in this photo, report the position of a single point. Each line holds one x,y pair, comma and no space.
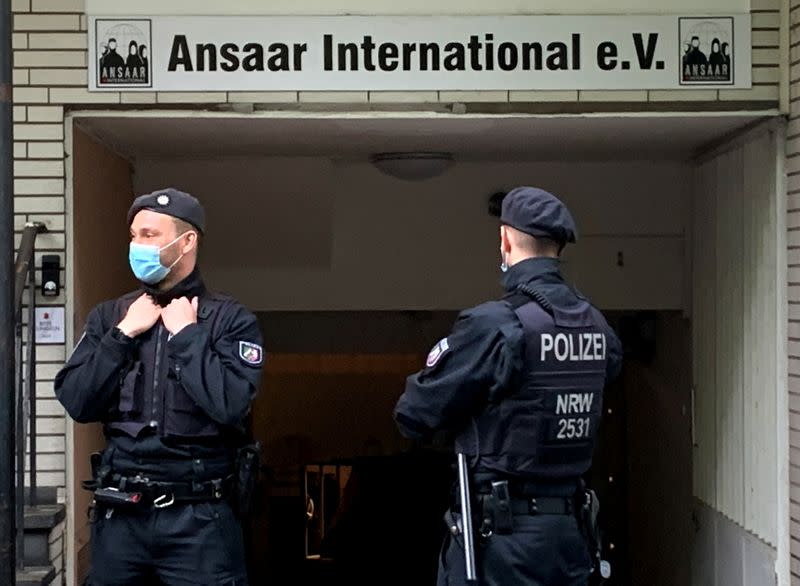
264,53
49,325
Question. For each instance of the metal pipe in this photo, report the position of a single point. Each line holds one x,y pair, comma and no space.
19,434
30,380
8,523
25,260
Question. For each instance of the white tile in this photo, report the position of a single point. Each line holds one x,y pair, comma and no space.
45,114
55,77
39,169
58,40
191,97
50,59
38,132
82,96
30,95
46,150
46,22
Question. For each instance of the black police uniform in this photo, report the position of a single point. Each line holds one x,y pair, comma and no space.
519,381
173,410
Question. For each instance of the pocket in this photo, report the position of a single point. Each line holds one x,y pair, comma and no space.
129,399
226,552
178,398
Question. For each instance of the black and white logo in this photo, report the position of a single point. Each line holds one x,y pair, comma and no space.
706,46
123,53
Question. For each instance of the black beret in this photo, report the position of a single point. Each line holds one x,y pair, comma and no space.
538,213
172,203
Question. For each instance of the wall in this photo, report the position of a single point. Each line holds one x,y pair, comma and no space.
793,290
739,339
315,234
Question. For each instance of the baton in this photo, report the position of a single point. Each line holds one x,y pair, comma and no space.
466,518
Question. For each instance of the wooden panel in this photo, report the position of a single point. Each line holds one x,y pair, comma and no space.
102,195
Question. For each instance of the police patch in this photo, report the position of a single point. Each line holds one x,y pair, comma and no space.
437,352
251,353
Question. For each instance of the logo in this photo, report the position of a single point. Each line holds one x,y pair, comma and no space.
251,353
437,352
706,46
123,53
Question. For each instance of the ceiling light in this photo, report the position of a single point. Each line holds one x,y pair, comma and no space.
412,166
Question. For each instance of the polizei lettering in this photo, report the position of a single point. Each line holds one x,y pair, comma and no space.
578,347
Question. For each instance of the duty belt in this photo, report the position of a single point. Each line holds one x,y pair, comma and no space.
139,491
542,506
499,508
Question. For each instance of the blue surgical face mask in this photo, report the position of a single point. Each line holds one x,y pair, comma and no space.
145,261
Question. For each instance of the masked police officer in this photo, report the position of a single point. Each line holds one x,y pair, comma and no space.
170,370
519,383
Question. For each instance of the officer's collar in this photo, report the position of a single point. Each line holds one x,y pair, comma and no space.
543,270
191,286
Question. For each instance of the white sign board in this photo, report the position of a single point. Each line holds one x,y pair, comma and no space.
50,325
264,53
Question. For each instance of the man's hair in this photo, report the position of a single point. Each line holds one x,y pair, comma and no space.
182,226
535,245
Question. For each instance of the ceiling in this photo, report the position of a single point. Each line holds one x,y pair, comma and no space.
467,137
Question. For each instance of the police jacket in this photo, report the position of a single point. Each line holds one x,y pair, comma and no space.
519,380
194,387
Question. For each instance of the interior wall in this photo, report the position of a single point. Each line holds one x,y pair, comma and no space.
736,312
318,234
102,194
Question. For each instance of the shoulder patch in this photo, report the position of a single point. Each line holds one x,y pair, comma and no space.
251,354
437,352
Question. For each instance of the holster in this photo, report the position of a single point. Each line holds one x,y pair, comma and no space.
497,515
246,475
588,512
100,472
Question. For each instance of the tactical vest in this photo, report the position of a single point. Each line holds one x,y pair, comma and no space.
545,428
150,390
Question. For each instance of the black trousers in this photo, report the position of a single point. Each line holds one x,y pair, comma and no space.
543,550
197,544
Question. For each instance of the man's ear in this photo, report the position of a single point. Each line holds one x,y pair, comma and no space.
192,242
505,239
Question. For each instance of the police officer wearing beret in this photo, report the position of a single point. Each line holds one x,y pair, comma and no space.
170,370
519,383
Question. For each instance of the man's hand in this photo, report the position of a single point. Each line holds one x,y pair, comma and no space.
179,314
142,315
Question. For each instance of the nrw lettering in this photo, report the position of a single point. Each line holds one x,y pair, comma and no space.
569,403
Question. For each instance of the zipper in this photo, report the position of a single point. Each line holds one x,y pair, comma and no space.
156,417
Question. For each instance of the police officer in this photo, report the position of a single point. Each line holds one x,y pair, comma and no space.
519,383
170,370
